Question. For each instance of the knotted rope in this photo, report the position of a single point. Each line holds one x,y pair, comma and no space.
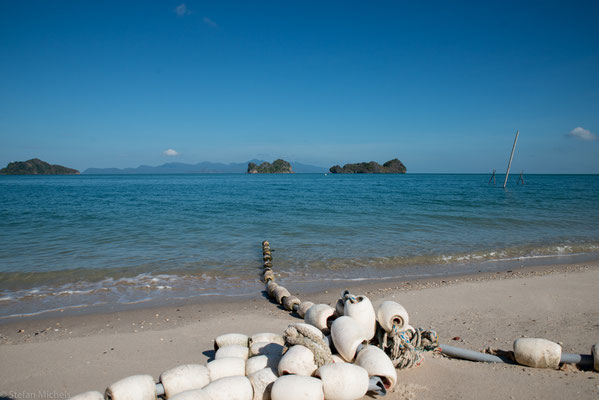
405,347
300,335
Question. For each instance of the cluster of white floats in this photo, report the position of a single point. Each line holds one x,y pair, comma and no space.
259,368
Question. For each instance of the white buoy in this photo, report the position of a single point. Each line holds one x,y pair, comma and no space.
343,381
183,378
377,363
337,359
347,336
303,308
319,315
261,361
231,339
363,312
225,367
281,292
230,388
91,395
266,348
233,350
270,288
262,382
267,337
136,387
289,302
298,360
538,353
391,313
595,352
197,394
297,387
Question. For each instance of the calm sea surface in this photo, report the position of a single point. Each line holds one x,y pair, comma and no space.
71,242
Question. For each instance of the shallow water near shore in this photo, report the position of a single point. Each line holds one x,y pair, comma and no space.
74,242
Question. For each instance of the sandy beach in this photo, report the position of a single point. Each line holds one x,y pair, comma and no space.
59,357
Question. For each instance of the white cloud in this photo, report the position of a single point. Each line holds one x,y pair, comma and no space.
170,152
581,133
181,10
210,22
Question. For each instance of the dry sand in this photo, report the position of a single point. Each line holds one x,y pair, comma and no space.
55,358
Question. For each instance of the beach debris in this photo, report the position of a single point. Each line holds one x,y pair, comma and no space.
376,362
321,316
297,387
267,337
231,339
303,308
183,378
537,353
298,360
261,361
347,335
361,310
262,382
231,387
595,353
343,381
225,367
136,387
233,350
392,317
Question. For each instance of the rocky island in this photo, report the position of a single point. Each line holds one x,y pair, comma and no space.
390,167
277,167
35,166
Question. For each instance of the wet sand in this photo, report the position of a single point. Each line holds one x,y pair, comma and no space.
60,356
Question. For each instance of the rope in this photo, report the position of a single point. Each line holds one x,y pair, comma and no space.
300,335
405,348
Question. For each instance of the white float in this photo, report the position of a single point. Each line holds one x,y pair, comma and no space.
183,378
225,367
281,292
391,313
270,288
136,387
538,353
266,348
319,316
91,395
231,339
337,359
289,302
197,394
233,350
347,336
377,363
303,308
363,312
261,361
262,382
267,337
298,360
297,387
230,388
343,381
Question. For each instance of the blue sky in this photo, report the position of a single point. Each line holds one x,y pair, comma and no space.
443,86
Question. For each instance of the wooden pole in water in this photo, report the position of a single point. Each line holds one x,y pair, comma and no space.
492,178
509,164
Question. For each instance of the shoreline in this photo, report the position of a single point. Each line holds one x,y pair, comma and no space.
77,353
57,325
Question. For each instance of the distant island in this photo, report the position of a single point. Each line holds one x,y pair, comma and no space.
35,166
200,168
277,167
390,167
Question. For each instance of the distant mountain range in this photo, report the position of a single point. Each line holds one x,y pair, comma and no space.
200,168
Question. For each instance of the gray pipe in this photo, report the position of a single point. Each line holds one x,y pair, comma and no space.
582,360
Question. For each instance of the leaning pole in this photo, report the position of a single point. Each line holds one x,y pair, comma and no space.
509,164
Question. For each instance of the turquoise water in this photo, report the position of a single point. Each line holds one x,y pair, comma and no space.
76,241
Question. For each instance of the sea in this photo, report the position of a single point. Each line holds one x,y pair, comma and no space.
90,243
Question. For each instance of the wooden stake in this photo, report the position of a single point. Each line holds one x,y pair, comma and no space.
509,164
492,179
521,178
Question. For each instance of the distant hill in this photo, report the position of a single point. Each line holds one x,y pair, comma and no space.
200,168
277,167
390,167
35,166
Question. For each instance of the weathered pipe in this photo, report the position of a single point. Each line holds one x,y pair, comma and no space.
582,360
376,386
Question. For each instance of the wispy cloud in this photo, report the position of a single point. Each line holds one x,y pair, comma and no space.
181,10
210,22
582,134
170,152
